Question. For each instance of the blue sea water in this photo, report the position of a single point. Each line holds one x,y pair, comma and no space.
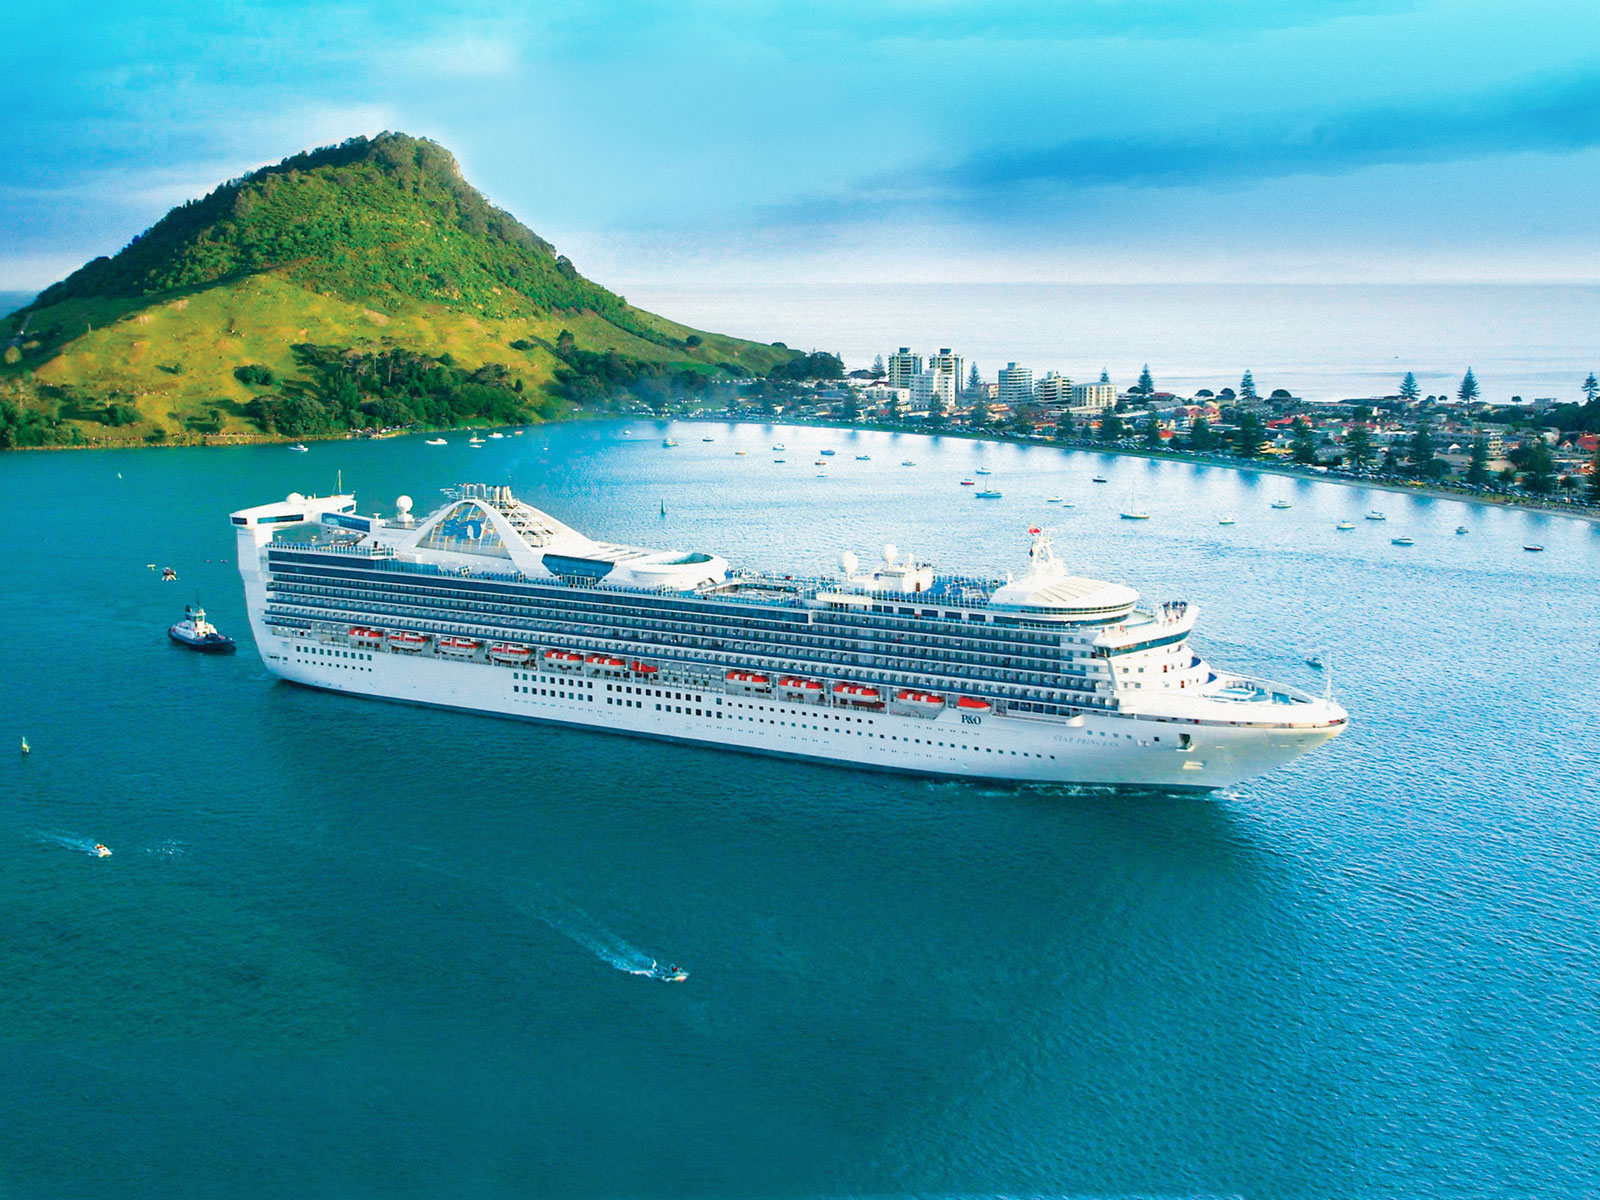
344,948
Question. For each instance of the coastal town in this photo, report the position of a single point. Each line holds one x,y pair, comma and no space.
1540,451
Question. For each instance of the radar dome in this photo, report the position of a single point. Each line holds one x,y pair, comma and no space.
849,562
402,504
889,552
294,498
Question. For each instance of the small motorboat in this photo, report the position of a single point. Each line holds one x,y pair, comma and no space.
1534,549
863,458
195,632
1375,515
1402,540
1225,521
436,442
1281,504
1099,479
667,972
983,471
496,436
780,460
908,462
1052,500
969,483
1314,661
826,453
780,447
301,446
1462,529
101,850
987,494
708,439
168,575
740,453
1345,525
668,443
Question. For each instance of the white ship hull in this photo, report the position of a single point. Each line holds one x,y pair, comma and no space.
1104,750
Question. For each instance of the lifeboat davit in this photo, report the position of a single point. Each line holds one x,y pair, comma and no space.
565,659
919,699
604,662
509,652
366,636
749,679
973,704
458,646
409,642
793,683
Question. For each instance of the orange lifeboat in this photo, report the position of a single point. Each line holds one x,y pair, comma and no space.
604,662
794,683
857,693
973,704
565,659
510,653
366,636
750,679
409,642
920,699
458,646
643,668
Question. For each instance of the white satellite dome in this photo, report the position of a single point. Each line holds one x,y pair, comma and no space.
849,562
890,551
402,504
294,498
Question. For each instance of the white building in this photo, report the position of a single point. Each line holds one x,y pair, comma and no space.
1016,384
903,367
1053,389
931,385
947,363
1093,396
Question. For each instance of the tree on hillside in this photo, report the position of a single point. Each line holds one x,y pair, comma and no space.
1064,426
1151,434
1538,466
1591,388
1478,462
936,413
1305,441
848,409
1357,447
1147,385
1468,391
878,371
1111,427
1247,387
1200,435
1247,441
974,380
1408,388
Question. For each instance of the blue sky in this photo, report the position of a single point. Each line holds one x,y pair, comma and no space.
740,140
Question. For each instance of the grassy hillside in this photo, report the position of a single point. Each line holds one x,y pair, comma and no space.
283,301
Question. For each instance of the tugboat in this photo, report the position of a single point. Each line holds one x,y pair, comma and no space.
197,633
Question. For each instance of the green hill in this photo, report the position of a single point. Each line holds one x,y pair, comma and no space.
359,285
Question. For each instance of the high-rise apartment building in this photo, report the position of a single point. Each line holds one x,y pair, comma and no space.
1016,384
903,367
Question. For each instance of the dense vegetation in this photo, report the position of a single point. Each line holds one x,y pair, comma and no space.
348,389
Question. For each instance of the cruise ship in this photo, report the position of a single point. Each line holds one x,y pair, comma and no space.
489,604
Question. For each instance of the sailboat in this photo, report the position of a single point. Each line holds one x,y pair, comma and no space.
1133,512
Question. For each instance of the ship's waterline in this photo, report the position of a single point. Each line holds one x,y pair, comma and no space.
491,605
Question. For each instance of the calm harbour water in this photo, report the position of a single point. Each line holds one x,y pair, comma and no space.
352,949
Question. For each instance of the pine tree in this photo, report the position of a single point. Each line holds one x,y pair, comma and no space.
1247,441
878,371
1064,426
1111,427
1421,450
1200,435
1591,387
1357,447
974,380
1305,441
1468,391
1539,468
1408,388
1105,376
1147,385
1478,463
1247,387
1152,433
